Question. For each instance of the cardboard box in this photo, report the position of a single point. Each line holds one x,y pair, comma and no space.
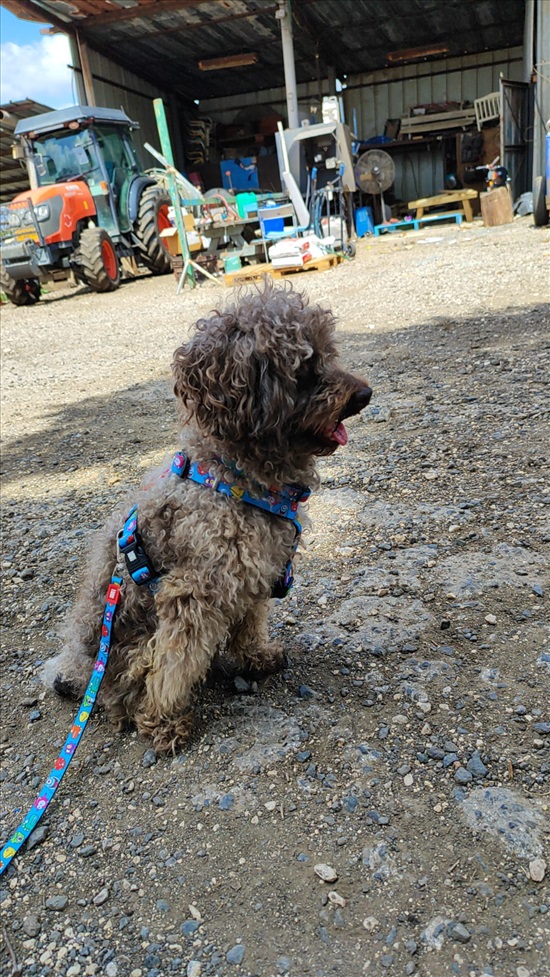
171,239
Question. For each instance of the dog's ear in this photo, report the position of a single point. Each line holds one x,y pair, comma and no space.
241,374
232,383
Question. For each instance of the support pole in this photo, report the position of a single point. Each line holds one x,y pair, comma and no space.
284,15
87,78
166,148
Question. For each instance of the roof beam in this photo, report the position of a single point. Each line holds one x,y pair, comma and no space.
28,10
196,25
135,13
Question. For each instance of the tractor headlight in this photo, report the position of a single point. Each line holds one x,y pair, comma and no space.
42,212
14,220
26,218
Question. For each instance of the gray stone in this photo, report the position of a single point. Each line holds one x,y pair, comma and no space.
149,758
87,851
31,925
240,683
459,933
57,903
101,897
283,964
476,766
463,776
236,954
189,927
499,811
37,836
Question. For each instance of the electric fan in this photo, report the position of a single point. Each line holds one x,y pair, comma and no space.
375,172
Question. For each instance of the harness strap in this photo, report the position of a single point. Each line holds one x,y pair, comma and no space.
279,502
60,766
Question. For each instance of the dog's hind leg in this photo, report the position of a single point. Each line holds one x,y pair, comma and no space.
68,673
249,643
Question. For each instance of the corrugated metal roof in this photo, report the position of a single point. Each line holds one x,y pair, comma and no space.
164,40
13,176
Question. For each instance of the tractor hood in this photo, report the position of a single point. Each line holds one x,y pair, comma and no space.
61,119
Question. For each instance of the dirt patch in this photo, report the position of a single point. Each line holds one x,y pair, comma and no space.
405,747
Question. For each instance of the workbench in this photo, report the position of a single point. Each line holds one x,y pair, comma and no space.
228,236
461,197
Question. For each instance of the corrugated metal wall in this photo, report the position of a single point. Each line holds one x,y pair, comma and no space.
394,91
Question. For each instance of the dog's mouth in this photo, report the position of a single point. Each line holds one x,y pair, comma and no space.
335,434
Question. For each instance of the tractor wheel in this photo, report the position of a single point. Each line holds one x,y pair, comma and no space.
540,212
97,260
152,218
25,291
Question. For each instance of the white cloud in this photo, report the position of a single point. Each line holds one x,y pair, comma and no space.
37,71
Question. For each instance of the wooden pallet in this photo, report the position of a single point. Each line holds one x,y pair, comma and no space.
415,222
255,273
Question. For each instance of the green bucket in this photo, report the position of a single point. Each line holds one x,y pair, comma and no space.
232,263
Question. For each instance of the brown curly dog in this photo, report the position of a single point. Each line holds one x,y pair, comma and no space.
261,395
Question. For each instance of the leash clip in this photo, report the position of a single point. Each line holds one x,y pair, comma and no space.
130,553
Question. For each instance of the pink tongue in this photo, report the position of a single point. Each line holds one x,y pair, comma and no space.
340,434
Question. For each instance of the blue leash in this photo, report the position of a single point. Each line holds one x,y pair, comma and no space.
60,766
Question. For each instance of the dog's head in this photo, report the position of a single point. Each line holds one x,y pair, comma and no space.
262,383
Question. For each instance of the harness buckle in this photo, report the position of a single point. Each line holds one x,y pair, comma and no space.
137,562
181,464
284,584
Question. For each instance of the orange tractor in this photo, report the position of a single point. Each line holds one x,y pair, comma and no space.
90,204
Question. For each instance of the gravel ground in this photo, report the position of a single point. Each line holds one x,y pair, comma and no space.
381,807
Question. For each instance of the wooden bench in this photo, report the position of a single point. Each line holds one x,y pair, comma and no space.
462,197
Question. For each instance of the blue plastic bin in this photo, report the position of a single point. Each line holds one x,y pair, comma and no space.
364,223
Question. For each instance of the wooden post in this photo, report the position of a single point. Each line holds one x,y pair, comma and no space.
87,78
496,207
166,148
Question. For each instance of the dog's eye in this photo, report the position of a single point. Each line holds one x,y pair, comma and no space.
306,376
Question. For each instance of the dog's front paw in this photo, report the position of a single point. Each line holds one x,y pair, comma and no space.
167,736
265,661
65,688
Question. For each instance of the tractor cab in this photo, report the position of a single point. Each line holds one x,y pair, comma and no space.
97,150
89,204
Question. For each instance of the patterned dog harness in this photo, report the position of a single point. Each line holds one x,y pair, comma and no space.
279,502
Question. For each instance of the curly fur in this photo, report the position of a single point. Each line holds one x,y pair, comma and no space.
258,385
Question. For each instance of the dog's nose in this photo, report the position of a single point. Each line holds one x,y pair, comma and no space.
363,397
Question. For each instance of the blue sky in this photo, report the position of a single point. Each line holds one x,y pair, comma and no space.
33,65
